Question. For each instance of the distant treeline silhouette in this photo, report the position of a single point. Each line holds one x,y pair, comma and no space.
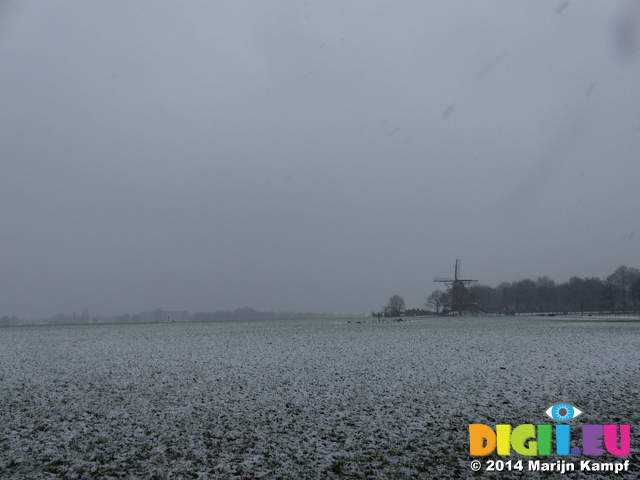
247,313
619,292
159,315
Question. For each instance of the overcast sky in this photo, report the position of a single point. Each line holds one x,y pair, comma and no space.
316,156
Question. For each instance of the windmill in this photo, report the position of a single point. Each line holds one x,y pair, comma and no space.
458,297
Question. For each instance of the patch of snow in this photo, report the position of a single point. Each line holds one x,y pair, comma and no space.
297,399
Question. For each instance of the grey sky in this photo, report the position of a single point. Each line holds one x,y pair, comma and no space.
317,157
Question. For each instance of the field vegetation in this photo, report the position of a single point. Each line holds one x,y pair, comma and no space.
327,398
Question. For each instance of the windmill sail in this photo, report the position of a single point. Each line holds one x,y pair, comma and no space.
457,287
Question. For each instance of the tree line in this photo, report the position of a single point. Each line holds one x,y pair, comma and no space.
619,292
244,313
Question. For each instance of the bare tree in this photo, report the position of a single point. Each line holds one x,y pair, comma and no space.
621,281
546,293
435,300
487,298
524,292
396,305
635,292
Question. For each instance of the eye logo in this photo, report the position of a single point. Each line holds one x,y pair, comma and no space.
563,412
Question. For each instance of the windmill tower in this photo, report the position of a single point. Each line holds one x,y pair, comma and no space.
457,287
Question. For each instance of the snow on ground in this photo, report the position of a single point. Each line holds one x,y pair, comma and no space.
299,399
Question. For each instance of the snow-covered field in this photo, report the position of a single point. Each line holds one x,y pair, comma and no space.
299,399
